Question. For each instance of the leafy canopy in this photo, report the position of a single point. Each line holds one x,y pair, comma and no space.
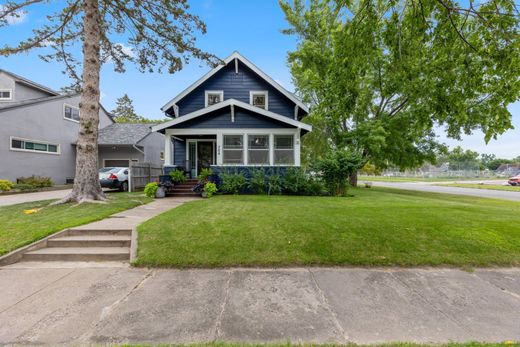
381,75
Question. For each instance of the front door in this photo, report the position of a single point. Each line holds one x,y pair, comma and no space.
205,155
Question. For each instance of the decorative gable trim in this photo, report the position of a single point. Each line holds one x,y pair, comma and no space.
232,103
236,56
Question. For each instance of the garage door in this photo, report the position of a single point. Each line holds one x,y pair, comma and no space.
117,163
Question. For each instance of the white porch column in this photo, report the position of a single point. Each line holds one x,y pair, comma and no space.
297,147
271,149
167,148
220,146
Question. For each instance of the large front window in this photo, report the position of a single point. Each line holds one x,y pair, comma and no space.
258,149
283,149
233,149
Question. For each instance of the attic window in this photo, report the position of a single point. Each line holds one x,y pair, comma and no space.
5,94
214,97
258,99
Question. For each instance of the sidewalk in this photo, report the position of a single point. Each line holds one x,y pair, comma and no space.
85,306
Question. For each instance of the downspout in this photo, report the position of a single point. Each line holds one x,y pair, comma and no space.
137,148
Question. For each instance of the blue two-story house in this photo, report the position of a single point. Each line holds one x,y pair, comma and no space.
234,116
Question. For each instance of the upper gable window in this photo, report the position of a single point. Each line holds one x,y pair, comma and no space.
71,113
6,94
214,97
258,98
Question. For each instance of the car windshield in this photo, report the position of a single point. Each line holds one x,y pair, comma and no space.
105,169
114,169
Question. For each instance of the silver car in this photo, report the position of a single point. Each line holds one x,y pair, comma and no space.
114,178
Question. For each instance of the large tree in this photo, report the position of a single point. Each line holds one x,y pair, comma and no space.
154,34
382,76
125,112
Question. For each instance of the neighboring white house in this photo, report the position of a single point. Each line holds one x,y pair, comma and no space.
39,129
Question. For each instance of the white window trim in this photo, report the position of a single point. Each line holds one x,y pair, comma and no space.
294,136
243,149
10,94
71,106
196,141
11,138
265,93
130,160
207,92
257,149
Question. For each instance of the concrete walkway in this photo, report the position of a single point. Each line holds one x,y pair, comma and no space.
81,306
430,187
29,197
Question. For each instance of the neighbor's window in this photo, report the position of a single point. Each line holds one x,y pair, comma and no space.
5,94
258,99
214,97
258,149
161,156
71,113
33,146
233,149
284,149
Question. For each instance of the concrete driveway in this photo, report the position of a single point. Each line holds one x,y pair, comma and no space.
432,187
29,197
83,306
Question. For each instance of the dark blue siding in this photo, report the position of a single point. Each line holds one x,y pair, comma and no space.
222,119
179,153
236,86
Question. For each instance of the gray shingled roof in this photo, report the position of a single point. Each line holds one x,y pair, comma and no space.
123,133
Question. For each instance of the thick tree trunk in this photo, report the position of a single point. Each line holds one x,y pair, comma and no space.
86,181
353,179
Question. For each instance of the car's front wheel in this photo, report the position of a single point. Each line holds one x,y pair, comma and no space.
124,186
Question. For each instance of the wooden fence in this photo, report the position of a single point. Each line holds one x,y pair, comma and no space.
141,174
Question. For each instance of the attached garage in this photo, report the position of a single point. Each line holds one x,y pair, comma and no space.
116,163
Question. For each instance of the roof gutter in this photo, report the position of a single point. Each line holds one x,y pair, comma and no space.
137,148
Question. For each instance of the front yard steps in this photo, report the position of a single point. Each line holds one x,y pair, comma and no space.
184,189
85,245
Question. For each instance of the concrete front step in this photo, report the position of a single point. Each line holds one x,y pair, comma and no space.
90,241
181,194
78,254
84,232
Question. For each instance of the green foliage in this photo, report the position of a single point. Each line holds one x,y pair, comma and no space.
336,168
23,186
295,181
150,189
257,183
370,169
233,183
460,159
315,186
381,76
125,112
205,174
210,188
35,181
274,184
177,176
6,185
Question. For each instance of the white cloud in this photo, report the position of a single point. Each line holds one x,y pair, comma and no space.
126,49
14,18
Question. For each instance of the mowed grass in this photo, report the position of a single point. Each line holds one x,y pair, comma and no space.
483,186
378,226
424,179
18,229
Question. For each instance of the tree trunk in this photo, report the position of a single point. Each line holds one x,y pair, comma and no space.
86,181
353,179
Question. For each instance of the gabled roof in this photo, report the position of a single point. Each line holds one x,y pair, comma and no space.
30,83
124,133
242,59
28,102
228,103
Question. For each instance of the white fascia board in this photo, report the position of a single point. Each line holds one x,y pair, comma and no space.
234,102
250,65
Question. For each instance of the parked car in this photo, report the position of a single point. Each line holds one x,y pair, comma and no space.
114,178
515,180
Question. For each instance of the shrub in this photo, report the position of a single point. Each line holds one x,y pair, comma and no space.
23,186
295,181
257,183
210,188
6,185
177,176
336,168
35,181
274,184
315,187
233,183
204,174
150,189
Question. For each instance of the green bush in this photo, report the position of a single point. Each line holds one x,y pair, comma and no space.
150,189
177,176
336,168
23,186
204,174
274,184
296,181
233,183
35,181
257,183
315,187
210,188
6,185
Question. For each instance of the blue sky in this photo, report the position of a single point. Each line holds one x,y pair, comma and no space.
251,27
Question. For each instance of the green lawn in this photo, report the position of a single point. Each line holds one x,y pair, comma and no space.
18,229
376,226
424,179
483,186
